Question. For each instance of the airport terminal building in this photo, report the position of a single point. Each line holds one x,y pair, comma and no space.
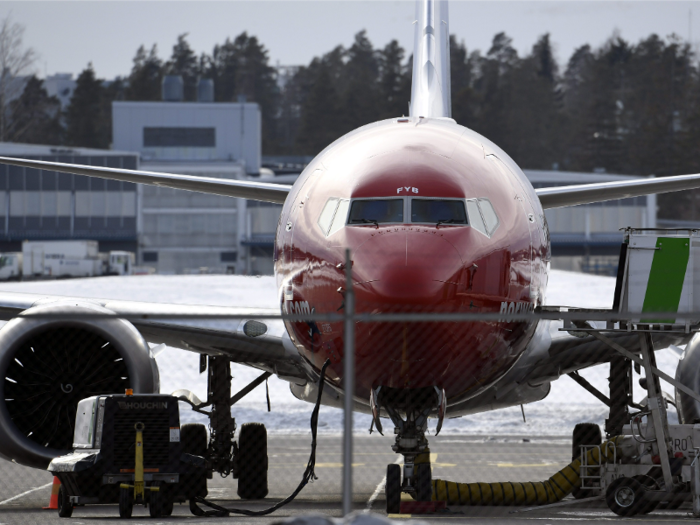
46,205
181,231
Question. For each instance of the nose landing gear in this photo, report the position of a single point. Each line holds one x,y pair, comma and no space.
412,444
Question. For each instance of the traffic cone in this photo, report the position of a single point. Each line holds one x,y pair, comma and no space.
53,502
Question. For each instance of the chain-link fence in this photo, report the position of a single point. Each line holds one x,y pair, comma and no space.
462,410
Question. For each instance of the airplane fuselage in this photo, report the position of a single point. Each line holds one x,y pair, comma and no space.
381,191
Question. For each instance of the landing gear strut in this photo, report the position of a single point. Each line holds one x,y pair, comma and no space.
411,443
222,453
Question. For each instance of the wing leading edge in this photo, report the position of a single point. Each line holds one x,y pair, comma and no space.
560,196
196,328
260,191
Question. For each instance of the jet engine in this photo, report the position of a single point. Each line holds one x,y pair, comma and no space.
688,374
49,363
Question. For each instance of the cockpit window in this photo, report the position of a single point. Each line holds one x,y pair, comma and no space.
434,211
326,218
489,214
376,211
333,216
482,216
475,218
340,215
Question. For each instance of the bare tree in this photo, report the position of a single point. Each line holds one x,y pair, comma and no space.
14,62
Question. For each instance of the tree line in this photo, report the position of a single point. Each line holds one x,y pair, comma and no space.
627,108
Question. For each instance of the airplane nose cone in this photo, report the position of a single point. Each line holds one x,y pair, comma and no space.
406,266
414,270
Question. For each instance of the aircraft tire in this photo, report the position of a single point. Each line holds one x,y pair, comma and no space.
424,482
252,461
194,441
392,489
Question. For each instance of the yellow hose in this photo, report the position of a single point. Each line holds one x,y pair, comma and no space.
527,493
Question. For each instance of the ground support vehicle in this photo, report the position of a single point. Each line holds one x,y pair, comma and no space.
10,266
61,259
654,463
131,449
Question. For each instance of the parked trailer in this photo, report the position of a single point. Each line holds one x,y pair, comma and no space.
57,259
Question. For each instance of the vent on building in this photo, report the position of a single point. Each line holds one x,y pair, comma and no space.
229,257
173,88
205,90
150,257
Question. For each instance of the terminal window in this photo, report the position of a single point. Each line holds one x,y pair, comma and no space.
178,137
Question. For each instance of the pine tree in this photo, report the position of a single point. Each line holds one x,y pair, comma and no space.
465,100
88,123
146,76
360,96
394,81
35,118
184,62
240,68
320,112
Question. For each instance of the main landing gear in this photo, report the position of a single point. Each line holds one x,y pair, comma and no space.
409,411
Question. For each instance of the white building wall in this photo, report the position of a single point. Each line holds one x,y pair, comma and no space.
237,130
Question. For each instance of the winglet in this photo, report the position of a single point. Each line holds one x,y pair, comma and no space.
430,91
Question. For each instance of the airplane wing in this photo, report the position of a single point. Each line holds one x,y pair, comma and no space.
570,353
553,197
559,196
260,191
200,329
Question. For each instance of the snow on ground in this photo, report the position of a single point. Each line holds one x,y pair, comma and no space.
555,415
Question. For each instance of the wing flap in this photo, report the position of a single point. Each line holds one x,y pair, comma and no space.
254,190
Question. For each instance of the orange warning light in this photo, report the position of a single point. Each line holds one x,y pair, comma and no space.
129,392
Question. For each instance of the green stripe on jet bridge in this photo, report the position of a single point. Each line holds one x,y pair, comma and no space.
666,277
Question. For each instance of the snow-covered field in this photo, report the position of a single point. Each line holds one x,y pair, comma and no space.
555,415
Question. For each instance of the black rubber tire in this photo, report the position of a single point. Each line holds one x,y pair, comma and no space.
584,434
155,500
625,496
126,502
194,441
650,484
252,461
392,489
168,506
65,507
424,482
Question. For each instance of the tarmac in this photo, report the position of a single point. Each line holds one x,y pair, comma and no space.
24,491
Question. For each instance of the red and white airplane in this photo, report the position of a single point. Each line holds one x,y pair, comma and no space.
437,219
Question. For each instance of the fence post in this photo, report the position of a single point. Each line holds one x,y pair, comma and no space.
348,384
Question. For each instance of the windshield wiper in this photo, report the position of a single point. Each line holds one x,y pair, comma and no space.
449,221
365,221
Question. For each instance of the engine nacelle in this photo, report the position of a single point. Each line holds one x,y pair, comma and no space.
49,364
688,373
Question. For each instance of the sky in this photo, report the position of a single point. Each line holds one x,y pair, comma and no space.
69,35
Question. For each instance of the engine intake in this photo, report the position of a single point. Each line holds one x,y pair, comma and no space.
48,365
688,373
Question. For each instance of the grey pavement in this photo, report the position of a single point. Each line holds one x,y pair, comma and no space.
24,491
